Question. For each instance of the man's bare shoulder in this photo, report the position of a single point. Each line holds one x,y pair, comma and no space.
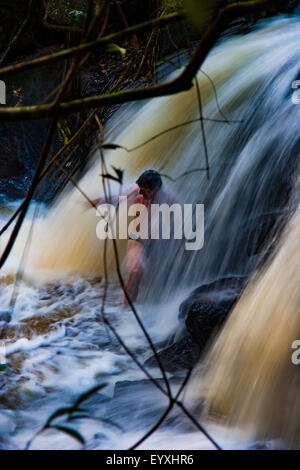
133,195
168,197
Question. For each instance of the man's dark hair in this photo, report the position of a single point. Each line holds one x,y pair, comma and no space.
150,179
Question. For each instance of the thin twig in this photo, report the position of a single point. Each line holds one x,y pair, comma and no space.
22,263
168,392
216,95
101,32
137,362
134,42
130,303
164,415
89,46
18,34
87,21
182,83
202,126
124,74
47,167
40,164
113,146
30,192
198,425
188,172
189,47
98,10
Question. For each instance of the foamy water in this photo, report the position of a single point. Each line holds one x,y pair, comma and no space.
57,347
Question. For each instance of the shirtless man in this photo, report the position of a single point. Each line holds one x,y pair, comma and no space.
148,191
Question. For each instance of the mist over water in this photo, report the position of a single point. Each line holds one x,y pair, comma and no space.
55,342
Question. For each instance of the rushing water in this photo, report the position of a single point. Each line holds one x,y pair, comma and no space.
56,346
250,380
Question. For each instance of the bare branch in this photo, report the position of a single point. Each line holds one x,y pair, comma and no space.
202,127
18,34
89,46
53,160
164,415
182,83
126,294
40,165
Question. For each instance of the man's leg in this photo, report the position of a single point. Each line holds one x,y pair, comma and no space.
135,264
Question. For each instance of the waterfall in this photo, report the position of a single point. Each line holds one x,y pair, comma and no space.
251,162
249,380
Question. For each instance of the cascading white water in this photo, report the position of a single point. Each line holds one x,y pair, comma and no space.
250,381
252,164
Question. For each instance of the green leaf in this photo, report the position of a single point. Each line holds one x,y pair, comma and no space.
119,173
56,414
93,418
87,394
62,412
201,12
115,48
79,416
110,177
112,146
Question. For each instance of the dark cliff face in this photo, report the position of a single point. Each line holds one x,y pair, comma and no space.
47,30
21,142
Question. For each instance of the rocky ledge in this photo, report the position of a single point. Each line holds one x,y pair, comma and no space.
203,313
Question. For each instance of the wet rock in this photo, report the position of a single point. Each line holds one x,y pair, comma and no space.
21,142
5,316
209,306
244,25
289,6
222,290
203,312
3,328
181,355
204,318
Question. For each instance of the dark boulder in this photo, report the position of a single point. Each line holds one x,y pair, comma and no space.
5,316
183,354
209,308
222,290
3,328
203,312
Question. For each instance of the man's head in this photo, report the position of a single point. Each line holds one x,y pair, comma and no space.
149,183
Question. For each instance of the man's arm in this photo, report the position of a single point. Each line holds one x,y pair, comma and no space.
131,193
